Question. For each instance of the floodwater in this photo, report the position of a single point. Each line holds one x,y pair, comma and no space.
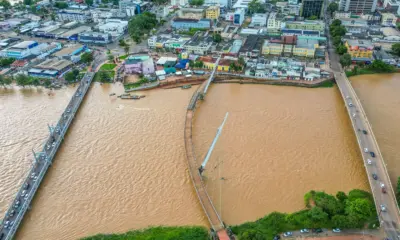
122,165
379,94
277,144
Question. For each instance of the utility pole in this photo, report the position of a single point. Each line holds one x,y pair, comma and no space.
219,130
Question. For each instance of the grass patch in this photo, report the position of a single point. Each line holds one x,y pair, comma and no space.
165,233
123,57
108,66
360,72
136,84
327,84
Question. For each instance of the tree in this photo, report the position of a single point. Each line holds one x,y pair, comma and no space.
87,57
341,196
251,235
341,49
398,191
256,6
345,60
380,66
22,80
27,2
337,40
333,7
360,208
242,61
6,62
104,76
217,37
340,221
122,43
6,4
61,5
126,49
70,77
336,22
89,2
313,17
396,49
197,2
141,25
110,57
53,17
317,216
191,63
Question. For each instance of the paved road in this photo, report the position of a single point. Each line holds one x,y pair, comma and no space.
389,218
43,160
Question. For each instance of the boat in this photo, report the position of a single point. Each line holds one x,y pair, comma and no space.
124,95
142,96
135,97
112,94
186,86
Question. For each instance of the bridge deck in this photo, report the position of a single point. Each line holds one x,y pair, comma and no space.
205,201
43,160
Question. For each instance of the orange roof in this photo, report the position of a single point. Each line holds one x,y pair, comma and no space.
225,62
222,235
207,59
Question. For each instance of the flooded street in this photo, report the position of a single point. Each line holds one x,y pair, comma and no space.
379,94
277,144
121,166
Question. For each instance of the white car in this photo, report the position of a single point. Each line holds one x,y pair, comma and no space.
305,230
383,208
369,161
365,150
382,185
287,234
336,230
354,115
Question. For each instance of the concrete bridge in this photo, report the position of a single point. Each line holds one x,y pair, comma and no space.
42,162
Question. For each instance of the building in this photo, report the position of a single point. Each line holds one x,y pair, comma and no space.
192,13
392,6
170,41
28,27
209,62
258,20
20,50
71,52
139,64
388,19
179,2
339,14
251,47
199,44
293,2
115,27
306,25
224,64
360,50
129,7
272,48
355,25
312,8
238,17
94,37
385,57
275,22
212,12
305,48
244,4
72,34
185,23
78,15
358,6
50,68
100,15
390,34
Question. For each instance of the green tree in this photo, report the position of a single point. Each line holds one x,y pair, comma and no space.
197,2
336,22
22,80
380,66
61,5
87,57
126,49
104,76
345,60
341,49
191,63
6,4
217,37
242,61
7,81
333,7
313,17
256,6
141,25
337,40
110,57
341,196
251,234
122,43
340,221
27,2
70,77
396,49
6,62
89,2
318,217
360,208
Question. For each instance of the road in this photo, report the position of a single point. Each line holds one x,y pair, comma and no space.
42,162
389,217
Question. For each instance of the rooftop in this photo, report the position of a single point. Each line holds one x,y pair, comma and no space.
23,45
306,43
68,50
388,31
75,31
54,64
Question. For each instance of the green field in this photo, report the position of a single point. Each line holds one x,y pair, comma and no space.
108,66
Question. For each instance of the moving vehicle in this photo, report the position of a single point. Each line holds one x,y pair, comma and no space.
305,230
372,154
374,176
369,162
383,208
364,131
350,104
365,150
336,230
287,234
383,189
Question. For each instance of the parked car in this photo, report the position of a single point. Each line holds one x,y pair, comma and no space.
287,234
383,189
317,230
305,230
277,237
369,161
365,150
372,154
336,230
350,104
374,176
364,131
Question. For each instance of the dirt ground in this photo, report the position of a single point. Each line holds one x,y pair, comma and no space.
349,237
131,78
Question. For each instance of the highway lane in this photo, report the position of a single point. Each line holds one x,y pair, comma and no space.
389,216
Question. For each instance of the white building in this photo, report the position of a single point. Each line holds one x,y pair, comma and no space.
293,2
100,15
259,20
78,15
244,4
388,19
274,22
238,17
179,2
115,27
358,6
23,49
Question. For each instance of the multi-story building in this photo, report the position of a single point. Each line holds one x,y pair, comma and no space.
192,13
184,23
359,50
199,44
212,12
358,6
293,2
245,4
115,27
258,20
311,8
139,64
306,25
238,17
355,25
340,14
392,6
95,37
388,19
78,15
290,46
20,50
252,46
129,7
275,21
167,41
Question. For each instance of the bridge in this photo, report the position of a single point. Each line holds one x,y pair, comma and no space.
389,217
42,162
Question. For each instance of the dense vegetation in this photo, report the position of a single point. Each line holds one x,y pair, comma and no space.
256,6
164,233
72,76
141,25
354,210
337,31
377,66
6,62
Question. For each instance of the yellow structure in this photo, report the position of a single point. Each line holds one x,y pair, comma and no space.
212,12
359,49
209,62
301,49
269,48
